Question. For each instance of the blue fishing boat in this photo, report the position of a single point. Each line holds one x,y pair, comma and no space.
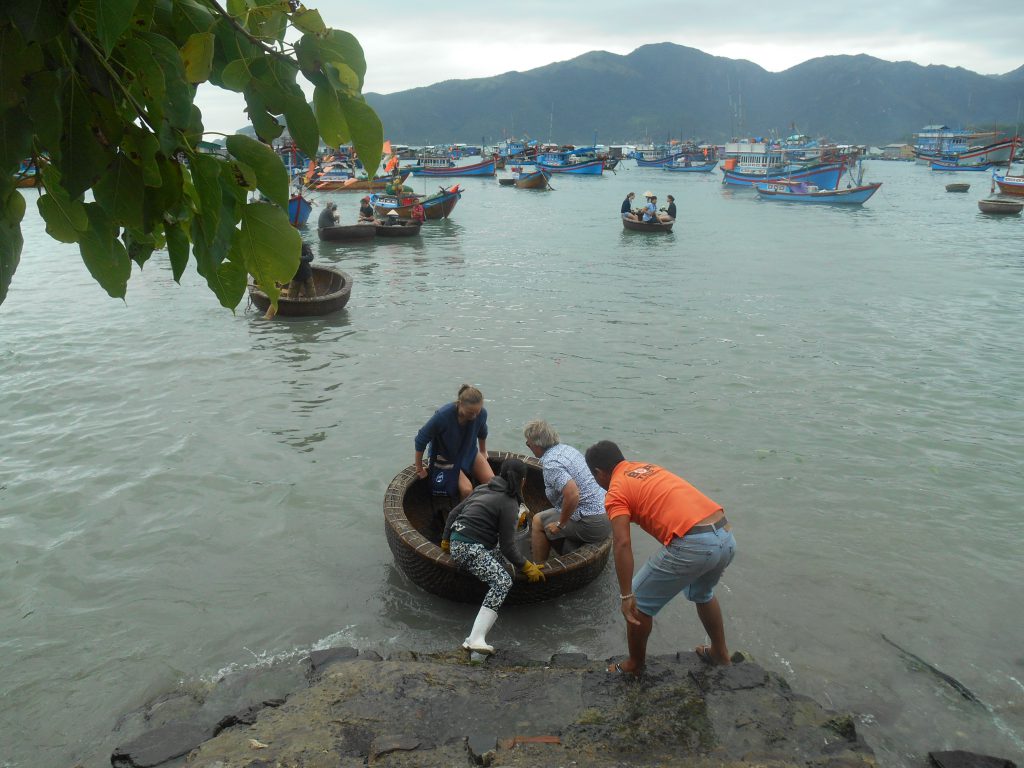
801,192
299,209
823,176
588,167
485,168
939,165
437,206
657,162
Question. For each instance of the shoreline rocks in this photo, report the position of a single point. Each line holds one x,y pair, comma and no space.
351,708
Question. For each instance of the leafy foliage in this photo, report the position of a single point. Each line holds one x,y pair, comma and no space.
100,95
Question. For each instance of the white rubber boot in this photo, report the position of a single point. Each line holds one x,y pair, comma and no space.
477,640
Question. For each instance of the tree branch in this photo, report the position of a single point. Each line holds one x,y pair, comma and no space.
249,36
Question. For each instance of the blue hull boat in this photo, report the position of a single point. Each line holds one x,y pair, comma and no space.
591,168
697,168
299,209
938,165
809,193
823,176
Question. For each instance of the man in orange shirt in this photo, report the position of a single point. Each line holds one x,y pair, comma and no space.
698,546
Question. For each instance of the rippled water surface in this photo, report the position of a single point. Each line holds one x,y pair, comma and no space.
184,490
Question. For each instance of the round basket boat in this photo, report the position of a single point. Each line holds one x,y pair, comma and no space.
333,289
414,521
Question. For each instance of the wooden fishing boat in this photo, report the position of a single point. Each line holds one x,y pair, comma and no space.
1009,185
414,521
438,206
998,205
332,287
647,226
692,168
347,232
799,192
398,229
346,182
485,168
535,180
958,186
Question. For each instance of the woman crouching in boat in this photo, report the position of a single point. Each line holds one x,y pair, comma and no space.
488,517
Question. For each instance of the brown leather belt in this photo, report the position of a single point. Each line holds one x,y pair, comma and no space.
709,527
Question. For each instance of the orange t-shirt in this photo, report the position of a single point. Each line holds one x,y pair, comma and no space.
661,503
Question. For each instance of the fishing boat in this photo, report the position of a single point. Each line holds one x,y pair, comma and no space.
485,168
584,168
656,162
647,226
534,180
953,146
802,192
401,228
1000,205
940,165
958,186
690,167
437,206
414,521
299,209
336,179
332,289
823,175
347,232
1008,183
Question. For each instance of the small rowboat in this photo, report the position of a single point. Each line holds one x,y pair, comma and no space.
332,287
647,226
938,165
398,229
347,232
536,180
693,168
414,521
507,182
299,209
996,205
957,186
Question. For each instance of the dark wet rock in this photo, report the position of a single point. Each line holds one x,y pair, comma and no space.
440,710
570,660
961,759
160,745
319,660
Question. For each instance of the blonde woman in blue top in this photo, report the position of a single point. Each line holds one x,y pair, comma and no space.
457,436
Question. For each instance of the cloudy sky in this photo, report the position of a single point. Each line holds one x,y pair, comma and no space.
418,44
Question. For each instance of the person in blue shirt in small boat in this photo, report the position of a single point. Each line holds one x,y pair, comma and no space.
457,435
650,215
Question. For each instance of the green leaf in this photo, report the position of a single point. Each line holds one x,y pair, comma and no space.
179,93
15,141
118,193
12,210
342,77
337,45
271,176
367,132
266,125
43,107
267,246
140,246
141,147
329,117
19,60
307,20
243,175
236,75
177,249
302,125
197,56
144,77
83,159
38,20
103,254
112,19
65,218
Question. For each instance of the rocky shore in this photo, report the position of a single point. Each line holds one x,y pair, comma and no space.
341,707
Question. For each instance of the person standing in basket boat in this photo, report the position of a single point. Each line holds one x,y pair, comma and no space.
419,213
328,216
669,211
577,514
487,518
627,207
457,434
698,547
302,282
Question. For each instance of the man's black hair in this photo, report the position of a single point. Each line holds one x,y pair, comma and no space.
604,455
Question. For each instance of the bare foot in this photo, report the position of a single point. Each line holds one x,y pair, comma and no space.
625,668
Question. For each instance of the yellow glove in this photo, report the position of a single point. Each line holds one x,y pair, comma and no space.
445,546
533,573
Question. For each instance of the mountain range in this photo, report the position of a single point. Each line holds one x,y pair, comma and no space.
663,91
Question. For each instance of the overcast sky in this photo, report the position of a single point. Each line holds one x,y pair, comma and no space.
418,44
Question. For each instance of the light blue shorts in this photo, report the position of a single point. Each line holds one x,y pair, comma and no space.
690,564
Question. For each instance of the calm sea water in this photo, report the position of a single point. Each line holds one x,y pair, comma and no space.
184,490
